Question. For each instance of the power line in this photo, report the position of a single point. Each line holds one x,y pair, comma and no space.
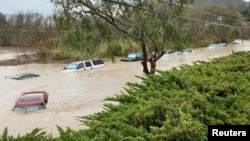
31,30
219,10
150,10
209,13
163,13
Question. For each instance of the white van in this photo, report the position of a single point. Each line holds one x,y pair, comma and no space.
83,65
237,41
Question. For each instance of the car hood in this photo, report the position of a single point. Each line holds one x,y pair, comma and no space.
68,70
127,59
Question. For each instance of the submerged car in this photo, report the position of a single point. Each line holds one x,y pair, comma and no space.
186,51
213,46
83,65
222,44
237,41
169,52
25,76
133,57
31,101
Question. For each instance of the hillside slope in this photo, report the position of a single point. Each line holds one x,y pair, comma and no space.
235,3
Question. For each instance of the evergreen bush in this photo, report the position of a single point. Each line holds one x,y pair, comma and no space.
175,105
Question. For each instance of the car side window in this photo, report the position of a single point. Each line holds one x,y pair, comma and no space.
22,77
88,64
97,62
139,55
26,76
80,66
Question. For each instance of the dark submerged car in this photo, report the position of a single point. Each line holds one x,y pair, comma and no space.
186,51
133,57
25,76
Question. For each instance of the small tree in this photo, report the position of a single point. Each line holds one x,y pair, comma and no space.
152,23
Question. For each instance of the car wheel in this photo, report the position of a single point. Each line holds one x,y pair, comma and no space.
43,106
46,100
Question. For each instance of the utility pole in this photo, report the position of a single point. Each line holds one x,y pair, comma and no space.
219,22
247,3
248,6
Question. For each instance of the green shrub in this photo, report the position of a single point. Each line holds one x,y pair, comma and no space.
174,105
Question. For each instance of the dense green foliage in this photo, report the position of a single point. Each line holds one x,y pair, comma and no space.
91,37
176,104
154,25
149,23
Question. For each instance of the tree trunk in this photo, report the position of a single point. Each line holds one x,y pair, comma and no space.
145,59
152,66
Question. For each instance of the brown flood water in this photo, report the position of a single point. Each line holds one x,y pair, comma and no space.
74,94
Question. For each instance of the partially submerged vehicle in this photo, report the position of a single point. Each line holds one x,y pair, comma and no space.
170,52
31,101
213,46
133,57
83,65
236,41
186,51
222,44
25,76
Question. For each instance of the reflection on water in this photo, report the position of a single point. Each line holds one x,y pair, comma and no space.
8,56
74,94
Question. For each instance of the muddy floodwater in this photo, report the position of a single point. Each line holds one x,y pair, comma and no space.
73,94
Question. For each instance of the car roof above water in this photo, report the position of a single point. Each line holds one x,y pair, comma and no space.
77,62
22,74
34,92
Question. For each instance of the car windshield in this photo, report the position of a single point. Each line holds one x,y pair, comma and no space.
72,66
132,56
19,75
30,98
30,108
187,50
170,51
212,45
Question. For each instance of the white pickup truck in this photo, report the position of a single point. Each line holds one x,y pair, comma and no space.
83,65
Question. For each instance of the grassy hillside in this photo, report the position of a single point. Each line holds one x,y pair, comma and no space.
235,3
177,104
